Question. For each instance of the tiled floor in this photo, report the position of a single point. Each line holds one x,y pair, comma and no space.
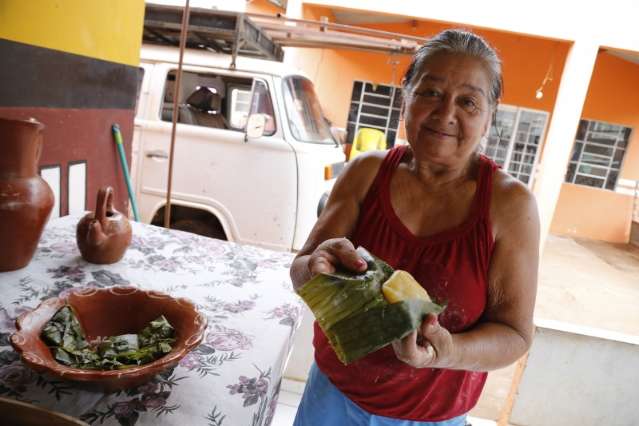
291,393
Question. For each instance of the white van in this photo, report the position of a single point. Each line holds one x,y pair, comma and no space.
263,186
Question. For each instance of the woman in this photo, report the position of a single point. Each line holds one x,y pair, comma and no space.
467,231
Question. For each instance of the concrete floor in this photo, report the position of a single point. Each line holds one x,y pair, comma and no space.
590,283
583,282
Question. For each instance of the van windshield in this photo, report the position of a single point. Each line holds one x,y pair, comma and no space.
304,113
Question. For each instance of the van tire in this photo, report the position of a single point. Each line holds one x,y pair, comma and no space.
199,227
192,220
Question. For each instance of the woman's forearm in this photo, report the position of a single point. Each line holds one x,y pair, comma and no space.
488,346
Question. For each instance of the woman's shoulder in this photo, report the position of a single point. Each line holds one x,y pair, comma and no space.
370,158
511,203
365,165
359,174
504,185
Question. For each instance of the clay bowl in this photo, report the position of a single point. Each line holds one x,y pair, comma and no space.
109,312
18,413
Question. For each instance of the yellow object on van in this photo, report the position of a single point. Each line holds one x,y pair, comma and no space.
367,140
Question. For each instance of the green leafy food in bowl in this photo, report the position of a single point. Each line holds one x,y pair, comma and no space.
69,346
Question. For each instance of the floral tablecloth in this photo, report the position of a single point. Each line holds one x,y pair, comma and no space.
232,379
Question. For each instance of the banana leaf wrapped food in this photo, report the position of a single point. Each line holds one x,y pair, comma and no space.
363,312
69,346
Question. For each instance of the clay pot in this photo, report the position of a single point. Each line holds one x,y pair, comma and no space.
25,198
103,236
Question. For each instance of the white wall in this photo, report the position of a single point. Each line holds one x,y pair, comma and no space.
235,5
611,23
579,376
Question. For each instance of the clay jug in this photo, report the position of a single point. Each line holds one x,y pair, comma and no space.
26,199
103,236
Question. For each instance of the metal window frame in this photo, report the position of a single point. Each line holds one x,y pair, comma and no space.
260,80
511,143
224,74
513,135
619,137
390,108
513,109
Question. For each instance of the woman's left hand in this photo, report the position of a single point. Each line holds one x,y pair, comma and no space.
430,346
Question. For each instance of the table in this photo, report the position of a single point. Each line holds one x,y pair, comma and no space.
232,379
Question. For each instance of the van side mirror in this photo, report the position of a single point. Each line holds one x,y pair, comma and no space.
255,126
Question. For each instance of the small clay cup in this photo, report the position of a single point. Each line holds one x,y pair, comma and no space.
103,236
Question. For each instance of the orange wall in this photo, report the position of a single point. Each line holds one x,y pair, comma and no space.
315,12
593,213
613,96
525,63
263,6
334,88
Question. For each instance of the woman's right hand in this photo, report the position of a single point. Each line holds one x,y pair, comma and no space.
324,251
332,253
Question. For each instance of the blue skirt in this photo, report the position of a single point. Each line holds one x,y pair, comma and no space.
324,405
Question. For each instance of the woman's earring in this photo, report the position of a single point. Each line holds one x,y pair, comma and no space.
483,143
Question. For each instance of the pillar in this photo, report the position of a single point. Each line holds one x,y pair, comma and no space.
294,11
571,96
73,65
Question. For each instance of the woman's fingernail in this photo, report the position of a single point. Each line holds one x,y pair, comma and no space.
430,351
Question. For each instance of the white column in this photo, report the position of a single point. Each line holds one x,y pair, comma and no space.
571,96
293,11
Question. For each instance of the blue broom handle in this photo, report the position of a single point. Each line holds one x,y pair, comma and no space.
125,168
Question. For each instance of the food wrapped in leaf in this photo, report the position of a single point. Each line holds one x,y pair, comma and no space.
64,336
363,312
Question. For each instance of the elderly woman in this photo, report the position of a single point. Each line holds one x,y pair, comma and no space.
467,231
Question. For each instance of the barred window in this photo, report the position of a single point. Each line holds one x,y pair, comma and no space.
374,107
597,154
515,140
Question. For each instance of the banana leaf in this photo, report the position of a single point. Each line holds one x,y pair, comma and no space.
371,330
353,313
336,296
65,338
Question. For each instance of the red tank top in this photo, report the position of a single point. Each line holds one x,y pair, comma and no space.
452,265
